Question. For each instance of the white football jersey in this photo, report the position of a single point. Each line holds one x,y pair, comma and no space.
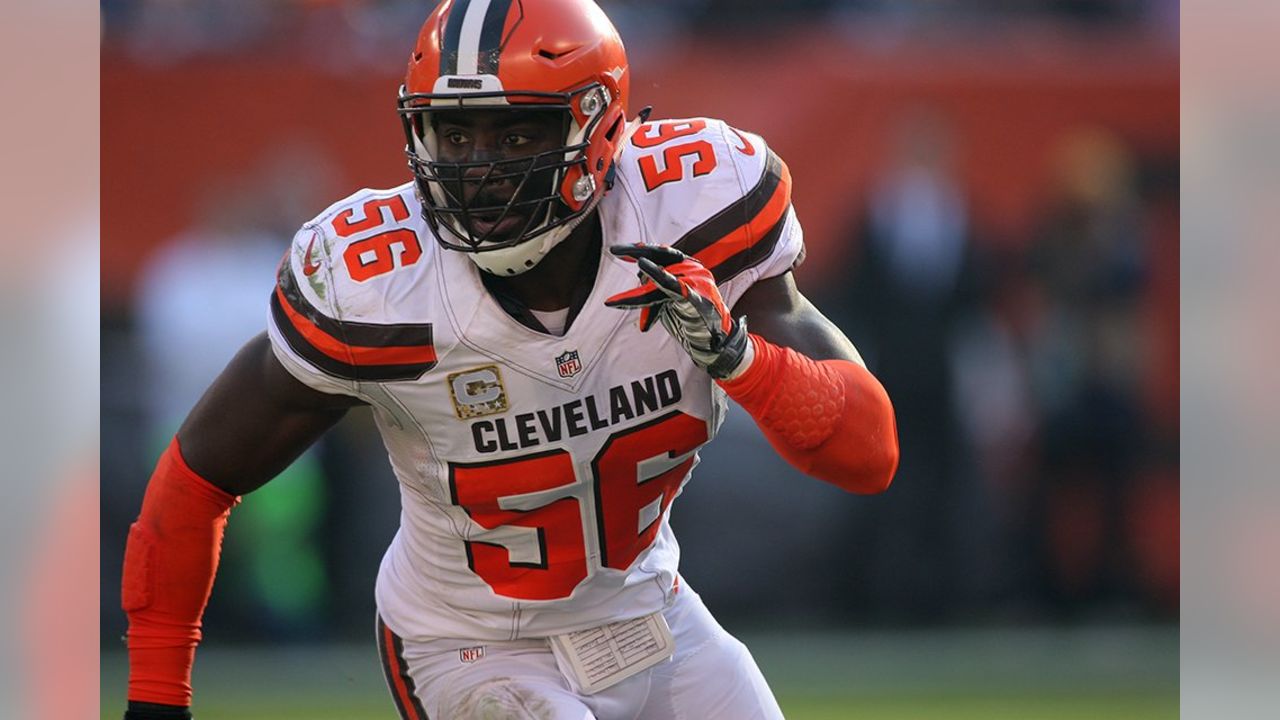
536,471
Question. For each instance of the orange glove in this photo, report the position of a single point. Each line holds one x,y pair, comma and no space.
681,293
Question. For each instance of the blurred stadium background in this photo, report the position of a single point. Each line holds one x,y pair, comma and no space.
990,194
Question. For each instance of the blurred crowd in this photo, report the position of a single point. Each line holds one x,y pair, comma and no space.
1030,374
1038,464
374,31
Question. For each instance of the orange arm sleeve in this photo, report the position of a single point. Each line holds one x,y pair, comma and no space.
169,564
831,419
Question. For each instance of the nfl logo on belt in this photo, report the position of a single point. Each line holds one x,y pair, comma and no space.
471,654
568,363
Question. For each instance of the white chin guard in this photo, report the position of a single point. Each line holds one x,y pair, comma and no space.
517,259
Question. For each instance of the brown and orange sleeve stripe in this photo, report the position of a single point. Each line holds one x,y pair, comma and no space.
743,234
349,350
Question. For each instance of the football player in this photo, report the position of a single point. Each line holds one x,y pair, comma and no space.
497,314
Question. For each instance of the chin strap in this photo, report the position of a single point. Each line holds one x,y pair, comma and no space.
630,129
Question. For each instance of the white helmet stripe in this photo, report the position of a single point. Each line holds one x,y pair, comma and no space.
469,43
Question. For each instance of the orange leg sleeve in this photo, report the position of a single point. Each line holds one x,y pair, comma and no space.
169,565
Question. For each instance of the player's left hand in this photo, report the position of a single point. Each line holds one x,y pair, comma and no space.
153,711
681,293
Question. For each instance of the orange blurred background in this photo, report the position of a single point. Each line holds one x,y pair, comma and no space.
1031,345
172,130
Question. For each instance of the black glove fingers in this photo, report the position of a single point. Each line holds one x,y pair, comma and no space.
665,281
662,255
648,317
636,299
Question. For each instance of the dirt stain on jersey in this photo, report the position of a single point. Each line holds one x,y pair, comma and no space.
501,699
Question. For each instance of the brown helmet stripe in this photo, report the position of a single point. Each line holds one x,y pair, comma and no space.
473,37
452,37
491,37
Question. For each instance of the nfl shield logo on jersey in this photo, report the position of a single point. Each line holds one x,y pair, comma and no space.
568,364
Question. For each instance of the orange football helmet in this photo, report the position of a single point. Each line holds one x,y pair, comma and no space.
557,55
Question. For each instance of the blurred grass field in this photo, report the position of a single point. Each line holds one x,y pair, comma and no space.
1098,673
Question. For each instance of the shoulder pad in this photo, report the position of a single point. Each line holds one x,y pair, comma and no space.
709,189
331,302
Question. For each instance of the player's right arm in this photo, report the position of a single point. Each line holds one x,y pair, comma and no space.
255,420
252,423
329,333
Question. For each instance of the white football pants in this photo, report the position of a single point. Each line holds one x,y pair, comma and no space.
712,676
